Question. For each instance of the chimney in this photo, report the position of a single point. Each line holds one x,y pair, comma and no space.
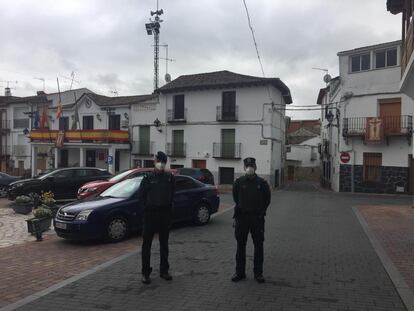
7,91
40,93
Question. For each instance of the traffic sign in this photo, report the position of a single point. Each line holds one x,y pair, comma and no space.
345,157
110,160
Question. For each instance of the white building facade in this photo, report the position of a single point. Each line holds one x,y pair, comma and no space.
367,123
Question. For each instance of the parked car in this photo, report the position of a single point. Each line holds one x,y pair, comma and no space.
201,174
5,181
64,182
117,211
44,172
96,187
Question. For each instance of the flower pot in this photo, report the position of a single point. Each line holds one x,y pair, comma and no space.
24,209
43,223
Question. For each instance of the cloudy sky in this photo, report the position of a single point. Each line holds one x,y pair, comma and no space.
106,45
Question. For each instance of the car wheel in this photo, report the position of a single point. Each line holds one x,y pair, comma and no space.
202,214
3,191
116,229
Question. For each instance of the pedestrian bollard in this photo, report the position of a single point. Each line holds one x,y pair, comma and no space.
38,231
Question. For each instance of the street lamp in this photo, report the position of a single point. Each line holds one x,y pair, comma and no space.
157,124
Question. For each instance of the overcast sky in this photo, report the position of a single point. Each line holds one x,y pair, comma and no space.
106,45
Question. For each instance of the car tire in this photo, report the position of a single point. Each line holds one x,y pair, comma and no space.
116,229
202,214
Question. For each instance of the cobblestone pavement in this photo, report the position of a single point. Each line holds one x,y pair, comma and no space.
317,257
27,268
393,226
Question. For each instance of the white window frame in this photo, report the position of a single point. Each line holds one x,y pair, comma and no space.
386,58
360,63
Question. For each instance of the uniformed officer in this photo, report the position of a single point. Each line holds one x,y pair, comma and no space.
251,194
156,194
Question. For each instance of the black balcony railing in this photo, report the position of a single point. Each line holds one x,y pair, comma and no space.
177,115
177,150
4,124
21,151
227,150
21,123
228,116
391,126
5,151
143,147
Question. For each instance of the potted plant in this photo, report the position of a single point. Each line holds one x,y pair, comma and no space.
41,222
23,205
48,200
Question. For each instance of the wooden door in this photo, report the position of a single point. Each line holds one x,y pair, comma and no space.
390,113
228,138
199,164
291,173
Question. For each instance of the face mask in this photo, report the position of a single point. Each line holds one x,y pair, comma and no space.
250,170
160,166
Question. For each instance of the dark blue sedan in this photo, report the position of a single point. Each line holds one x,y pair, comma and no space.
117,211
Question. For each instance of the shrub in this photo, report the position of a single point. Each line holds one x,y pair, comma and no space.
43,213
47,198
23,199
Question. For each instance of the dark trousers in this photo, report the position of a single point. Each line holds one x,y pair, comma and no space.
155,222
255,225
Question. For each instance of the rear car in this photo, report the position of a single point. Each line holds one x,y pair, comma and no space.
201,174
5,181
96,187
117,211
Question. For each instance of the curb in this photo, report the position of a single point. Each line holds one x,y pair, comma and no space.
81,275
405,292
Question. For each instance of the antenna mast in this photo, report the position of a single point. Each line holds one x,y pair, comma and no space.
153,28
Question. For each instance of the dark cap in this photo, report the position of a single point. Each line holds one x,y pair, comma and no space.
161,157
249,162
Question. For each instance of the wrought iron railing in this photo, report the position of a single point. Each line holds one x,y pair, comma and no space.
21,123
176,149
176,116
4,124
391,126
227,115
143,147
227,150
5,151
21,151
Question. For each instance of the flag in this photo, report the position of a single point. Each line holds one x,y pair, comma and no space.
59,110
43,118
75,119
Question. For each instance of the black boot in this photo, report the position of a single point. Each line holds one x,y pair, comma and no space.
146,279
238,277
166,276
259,278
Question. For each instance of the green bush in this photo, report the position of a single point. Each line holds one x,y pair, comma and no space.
42,213
23,199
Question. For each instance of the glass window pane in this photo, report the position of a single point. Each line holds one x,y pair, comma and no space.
366,62
355,63
392,57
380,59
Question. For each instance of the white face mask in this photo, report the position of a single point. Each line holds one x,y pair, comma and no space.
250,170
160,166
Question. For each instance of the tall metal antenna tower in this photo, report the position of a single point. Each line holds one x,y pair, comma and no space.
153,28
167,75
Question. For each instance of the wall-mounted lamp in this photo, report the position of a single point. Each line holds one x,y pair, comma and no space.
157,124
126,116
26,131
98,116
330,117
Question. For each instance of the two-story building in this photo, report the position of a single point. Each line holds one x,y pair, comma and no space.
214,120
367,123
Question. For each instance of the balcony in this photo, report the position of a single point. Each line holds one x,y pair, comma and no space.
21,151
390,126
176,150
94,136
21,123
144,148
174,116
227,116
5,151
227,150
4,125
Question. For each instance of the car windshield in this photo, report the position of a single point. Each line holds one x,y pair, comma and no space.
120,176
46,175
124,189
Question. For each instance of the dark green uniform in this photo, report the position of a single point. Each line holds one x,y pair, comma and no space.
252,197
156,194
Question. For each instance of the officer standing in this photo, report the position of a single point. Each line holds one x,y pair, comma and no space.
251,194
156,194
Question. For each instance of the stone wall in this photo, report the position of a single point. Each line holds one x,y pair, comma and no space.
391,178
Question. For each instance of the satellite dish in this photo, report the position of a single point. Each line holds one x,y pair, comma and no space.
167,77
327,78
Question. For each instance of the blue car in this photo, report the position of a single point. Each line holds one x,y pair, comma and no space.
117,211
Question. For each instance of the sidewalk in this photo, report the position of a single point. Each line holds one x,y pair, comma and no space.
317,257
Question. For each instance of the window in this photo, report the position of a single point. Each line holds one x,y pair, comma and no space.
114,122
386,58
85,173
372,167
63,174
179,107
183,184
64,123
88,122
229,104
360,62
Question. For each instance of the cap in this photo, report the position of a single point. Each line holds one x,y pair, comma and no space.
249,162
161,157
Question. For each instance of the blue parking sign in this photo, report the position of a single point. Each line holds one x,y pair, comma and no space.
110,159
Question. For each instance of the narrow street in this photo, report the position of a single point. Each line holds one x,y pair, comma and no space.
317,257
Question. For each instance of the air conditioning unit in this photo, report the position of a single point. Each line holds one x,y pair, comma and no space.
124,123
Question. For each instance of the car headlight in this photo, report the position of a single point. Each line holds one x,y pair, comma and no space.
83,215
93,189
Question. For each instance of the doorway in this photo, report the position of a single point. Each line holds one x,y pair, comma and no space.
410,174
64,158
226,175
91,158
291,173
199,164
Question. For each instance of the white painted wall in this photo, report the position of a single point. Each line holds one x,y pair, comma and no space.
303,152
